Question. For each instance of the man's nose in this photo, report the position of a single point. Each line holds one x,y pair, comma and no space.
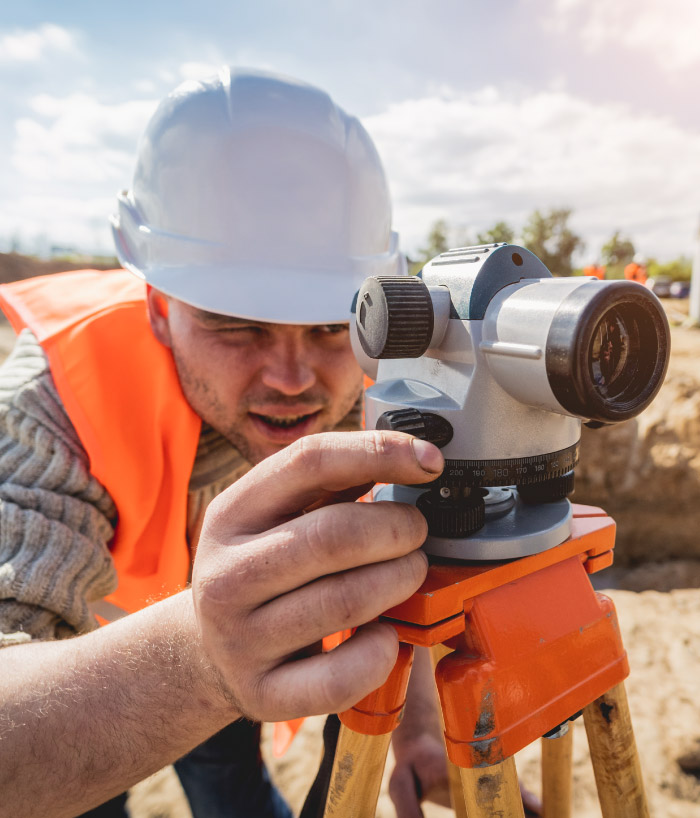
288,369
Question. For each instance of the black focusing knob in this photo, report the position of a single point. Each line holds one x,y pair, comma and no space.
451,518
394,317
424,425
548,491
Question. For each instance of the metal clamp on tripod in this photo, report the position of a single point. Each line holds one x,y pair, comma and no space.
498,363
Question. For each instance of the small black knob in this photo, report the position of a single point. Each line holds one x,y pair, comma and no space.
451,518
424,425
394,317
548,491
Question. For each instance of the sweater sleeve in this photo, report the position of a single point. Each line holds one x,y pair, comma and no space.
56,519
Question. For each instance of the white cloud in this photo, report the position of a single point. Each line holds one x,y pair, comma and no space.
473,159
78,140
24,46
145,86
56,218
198,70
476,159
69,158
215,63
665,33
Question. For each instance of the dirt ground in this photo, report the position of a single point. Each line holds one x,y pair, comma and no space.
658,605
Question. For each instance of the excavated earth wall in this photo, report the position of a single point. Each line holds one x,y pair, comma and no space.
646,474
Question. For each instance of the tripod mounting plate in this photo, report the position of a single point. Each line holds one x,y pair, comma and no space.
519,532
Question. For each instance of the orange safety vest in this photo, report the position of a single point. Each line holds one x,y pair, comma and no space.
595,270
120,389
636,272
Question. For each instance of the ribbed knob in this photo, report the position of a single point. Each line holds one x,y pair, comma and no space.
450,519
394,317
548,491
425,425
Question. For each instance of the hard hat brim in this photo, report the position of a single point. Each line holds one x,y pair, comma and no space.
280,296
203,274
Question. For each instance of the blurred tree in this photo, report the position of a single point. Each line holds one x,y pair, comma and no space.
680,269
437,240
617,251
551,239
437,243
501,231
461,237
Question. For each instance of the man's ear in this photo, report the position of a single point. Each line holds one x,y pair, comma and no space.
158,308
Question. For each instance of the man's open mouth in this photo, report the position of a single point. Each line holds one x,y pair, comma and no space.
285,422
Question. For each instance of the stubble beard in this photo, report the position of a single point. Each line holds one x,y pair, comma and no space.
207,405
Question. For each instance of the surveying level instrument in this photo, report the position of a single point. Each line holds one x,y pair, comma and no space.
498,363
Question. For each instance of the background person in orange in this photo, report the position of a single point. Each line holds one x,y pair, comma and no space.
596,270
636,271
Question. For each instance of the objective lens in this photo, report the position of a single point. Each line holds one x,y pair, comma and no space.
614,348
607,351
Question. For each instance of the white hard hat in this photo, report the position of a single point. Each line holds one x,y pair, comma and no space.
256,196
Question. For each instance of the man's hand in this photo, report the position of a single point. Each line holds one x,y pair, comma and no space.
421,763
285,558
420,774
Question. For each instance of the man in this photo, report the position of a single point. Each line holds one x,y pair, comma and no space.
258,207
595,270
636,270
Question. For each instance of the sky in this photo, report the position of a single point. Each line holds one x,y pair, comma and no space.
482,110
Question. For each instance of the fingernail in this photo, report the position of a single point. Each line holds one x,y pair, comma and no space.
428,455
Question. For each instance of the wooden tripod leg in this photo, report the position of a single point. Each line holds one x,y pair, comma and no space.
453,771
616,765
357,774
556,775
494,790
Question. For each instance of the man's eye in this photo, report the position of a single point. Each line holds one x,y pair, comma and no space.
332,329
240,331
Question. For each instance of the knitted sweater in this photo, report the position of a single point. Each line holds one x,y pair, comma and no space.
56,519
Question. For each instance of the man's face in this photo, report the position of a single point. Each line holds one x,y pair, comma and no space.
260,385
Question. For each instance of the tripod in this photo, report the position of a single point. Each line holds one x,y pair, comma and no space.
526,645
